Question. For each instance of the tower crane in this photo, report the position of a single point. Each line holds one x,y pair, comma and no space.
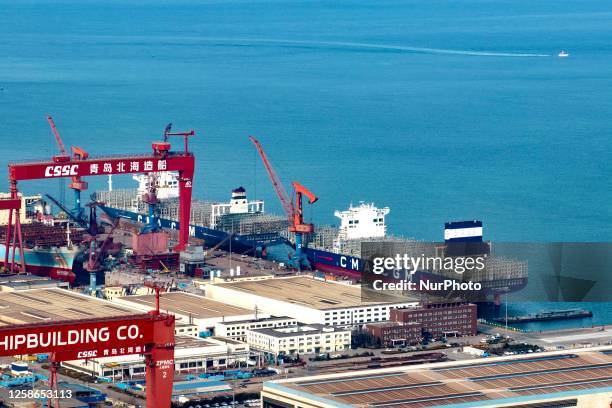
293,209
77,184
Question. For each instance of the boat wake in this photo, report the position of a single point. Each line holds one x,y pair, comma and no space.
367,46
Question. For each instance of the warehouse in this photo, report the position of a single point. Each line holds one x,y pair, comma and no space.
306,299
190,309
191,355
49,305
570,378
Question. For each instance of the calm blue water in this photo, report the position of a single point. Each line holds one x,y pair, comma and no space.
431,108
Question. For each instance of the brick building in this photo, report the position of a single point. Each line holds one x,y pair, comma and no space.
391,334
440,319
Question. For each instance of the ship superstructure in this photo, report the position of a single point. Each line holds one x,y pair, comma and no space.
365,221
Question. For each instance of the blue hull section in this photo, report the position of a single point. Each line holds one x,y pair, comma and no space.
331,262
211,237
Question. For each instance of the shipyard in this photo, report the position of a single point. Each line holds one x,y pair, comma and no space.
297,204
232,308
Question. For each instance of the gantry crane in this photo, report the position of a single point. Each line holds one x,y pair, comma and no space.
160,159
293,209
150,334
150,196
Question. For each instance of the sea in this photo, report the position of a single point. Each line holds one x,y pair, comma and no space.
441,110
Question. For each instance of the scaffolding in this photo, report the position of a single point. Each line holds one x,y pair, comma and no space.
123,199
39,235
323,237
252,224
201,213
130,200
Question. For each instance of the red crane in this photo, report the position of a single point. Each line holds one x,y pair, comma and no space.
60,144
151,335
293,209
77,185
161,159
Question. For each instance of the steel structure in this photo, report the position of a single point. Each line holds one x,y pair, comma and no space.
161,159
293,208
151,335
77,184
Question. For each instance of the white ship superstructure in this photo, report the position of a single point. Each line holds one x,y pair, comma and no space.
362,222
167,185
237,205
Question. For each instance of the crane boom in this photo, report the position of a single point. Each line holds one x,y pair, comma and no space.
293,210
58,138
276,183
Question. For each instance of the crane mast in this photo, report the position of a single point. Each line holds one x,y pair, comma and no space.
58,139
276,183
293,209
77,184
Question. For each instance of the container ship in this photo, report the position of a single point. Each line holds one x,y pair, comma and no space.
338,250
239,226
51,247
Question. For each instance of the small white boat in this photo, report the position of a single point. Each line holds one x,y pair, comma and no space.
563,54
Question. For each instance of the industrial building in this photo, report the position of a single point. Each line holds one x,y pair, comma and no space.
30,204
190,309
190,355
390,334
27,282
306,299
237,330
440,319
300,339
52,305
569,378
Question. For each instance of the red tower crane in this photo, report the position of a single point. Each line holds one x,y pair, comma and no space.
293,209
60,144
77,184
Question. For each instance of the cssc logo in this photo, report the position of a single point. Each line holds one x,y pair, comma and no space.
86,354
57,171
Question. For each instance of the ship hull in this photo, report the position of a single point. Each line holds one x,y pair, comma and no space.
211,237
350,266
330,262
56,263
